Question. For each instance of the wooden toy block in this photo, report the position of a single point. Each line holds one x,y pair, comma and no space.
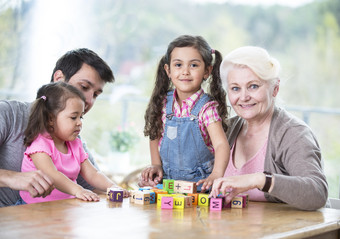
152,197
194,197
159,199
168,185
167,202
179,202
237,202
107,193
159,192
145,188
115,195
159,186
187,201
216,204
189,187
203,199
142,198
132,196
245,199
177,186
185,187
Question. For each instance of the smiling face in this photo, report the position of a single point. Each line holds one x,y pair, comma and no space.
67,124
186,70
251,97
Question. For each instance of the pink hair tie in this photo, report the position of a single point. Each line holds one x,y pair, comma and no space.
43,97
212,51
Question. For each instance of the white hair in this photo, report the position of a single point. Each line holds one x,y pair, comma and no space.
255,58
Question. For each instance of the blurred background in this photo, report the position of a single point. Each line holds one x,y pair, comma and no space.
131,36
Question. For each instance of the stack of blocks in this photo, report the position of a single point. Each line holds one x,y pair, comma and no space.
177,194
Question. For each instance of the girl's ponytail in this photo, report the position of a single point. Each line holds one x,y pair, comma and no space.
216,89
153,114
37,122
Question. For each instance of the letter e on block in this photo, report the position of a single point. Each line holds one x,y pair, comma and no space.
179,202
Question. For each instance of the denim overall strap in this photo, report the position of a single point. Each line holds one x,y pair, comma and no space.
183,151
169,103
198,106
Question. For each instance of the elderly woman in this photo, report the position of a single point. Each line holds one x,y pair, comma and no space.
274,156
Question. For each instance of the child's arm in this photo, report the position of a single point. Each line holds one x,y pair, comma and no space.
97,179
222,154
153,174
44,163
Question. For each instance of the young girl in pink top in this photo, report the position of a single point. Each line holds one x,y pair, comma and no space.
53,145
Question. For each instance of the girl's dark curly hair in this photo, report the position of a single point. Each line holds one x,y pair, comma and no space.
153,122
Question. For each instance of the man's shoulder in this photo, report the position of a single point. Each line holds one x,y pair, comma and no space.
13,105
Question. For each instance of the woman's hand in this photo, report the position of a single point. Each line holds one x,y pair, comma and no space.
235,185
151,176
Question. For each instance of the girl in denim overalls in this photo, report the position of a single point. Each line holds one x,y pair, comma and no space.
187,126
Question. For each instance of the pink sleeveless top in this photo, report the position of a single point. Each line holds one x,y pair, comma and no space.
255,164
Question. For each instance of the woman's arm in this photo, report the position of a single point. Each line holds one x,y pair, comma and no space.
294,157
44,163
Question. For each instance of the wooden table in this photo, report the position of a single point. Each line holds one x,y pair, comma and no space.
74,218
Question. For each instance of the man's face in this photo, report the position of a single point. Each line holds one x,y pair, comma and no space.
88,81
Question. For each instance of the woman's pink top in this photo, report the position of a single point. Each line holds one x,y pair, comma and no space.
68,164
254,165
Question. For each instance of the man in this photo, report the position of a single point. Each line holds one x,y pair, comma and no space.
81,68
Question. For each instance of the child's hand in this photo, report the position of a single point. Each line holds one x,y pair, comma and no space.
207,182
151,176
87,195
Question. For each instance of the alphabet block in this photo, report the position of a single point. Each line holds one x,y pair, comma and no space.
145,188
159,198
178,202
203,199
184,187
216,204
115,195
187,201
167,202
132,196
168,185
152,197
237,202
194,197
142,198
245,199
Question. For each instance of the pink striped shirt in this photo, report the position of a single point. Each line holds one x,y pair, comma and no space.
207,115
